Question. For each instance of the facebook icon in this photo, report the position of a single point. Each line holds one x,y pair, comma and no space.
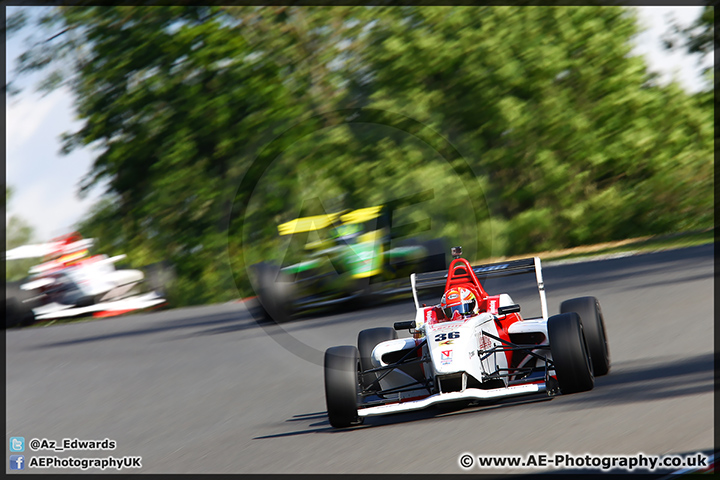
17,462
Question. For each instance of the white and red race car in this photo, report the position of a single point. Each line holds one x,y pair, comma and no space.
71,282
467,350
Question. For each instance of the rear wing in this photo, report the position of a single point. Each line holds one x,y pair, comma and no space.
490,270
318,222
307,224
45,249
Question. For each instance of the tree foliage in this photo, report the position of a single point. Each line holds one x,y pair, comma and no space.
699,37
531,127
17,233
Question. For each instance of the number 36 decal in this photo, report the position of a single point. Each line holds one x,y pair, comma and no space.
441,336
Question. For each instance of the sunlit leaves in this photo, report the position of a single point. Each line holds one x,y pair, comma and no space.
568,138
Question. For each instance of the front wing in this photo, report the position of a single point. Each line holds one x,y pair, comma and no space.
137,302
467,394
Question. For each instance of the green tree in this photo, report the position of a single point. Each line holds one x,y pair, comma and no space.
174,100
533,127
576,142
17,233
698,38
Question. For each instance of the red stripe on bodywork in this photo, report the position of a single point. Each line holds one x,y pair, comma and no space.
502,329
111,313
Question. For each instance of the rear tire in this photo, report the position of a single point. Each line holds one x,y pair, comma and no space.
342,385
367,341
159,277
435,259
594,328
275,292
573,366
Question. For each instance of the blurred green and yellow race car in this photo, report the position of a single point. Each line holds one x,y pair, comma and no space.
349,257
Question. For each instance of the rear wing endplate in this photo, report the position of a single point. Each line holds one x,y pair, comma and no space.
437,279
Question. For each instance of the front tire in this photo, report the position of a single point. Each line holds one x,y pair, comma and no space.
342,385
17,313
572,363
19,305
594,328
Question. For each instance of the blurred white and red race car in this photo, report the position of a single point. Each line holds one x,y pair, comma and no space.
70,282
472,347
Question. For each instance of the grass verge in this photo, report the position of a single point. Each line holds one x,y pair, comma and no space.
633,245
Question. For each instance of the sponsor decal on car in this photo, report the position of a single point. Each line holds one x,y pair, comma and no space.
492,306
446,357
484,343
491,268
448,325
446,342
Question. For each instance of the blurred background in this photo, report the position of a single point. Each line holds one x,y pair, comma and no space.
533,128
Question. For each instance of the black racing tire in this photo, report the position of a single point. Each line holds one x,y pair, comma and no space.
19,305
274,291
573,366
13,312
436,257
342,385
594,328
159,277
367,340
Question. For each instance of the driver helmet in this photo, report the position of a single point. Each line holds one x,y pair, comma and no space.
347,232
458,302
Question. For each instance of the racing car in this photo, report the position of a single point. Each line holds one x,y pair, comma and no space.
71,282
470,348
347,256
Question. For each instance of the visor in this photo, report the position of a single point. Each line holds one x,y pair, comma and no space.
463,309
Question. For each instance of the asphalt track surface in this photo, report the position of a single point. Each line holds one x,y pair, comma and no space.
209,390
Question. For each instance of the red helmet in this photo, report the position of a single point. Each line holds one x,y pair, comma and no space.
460,302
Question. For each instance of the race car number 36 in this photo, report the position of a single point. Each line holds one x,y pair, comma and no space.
442,336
